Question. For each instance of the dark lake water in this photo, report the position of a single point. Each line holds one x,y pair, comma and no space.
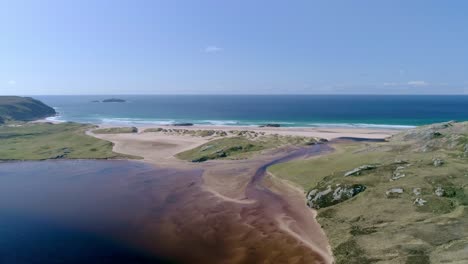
78,212
128,212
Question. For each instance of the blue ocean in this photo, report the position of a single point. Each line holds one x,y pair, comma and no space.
252,110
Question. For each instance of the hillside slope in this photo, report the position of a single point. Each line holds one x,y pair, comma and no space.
16,108
401,201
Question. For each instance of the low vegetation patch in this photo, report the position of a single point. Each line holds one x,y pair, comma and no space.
115,130
221,148
240,146
52,141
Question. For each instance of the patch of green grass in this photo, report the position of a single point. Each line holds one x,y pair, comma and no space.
159,129
239,147
308,173
52,141
417,256
438,205
349,252
358,230
231,147
115,130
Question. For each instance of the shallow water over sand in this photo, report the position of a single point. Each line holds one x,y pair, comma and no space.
87,211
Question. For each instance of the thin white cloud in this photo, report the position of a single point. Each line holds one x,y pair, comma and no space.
410,83
11,82
417,83
213,49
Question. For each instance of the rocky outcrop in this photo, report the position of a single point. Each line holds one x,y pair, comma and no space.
419,201
324,197
359,170
271,125
449,135
439,191
398,173
182,124
437,162
394,192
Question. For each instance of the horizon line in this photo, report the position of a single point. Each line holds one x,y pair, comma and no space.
194,94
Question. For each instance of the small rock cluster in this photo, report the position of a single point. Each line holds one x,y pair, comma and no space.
437,162
439,191
394,192
419,201
398,173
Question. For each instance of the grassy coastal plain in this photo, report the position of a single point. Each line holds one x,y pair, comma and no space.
40,141
413,208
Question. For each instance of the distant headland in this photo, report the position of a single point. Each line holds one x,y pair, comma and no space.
16,108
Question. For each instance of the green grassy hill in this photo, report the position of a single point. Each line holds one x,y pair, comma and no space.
16,108
401,201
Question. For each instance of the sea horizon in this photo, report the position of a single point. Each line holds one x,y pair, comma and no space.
338,111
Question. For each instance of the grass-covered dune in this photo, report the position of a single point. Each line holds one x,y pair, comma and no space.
115,130
401,201
16,108
241,146
52,141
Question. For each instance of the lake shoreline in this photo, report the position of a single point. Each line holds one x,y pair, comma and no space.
229,180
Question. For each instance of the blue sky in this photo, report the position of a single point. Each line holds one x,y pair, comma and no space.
233,47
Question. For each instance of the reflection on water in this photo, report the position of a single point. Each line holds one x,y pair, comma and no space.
24,240
77,211
87,211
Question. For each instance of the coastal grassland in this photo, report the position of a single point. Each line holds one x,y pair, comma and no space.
411,204
115,130
241,146
41,141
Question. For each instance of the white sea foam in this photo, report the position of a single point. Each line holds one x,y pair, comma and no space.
218,122
122,121
360,125
135,121
55,119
